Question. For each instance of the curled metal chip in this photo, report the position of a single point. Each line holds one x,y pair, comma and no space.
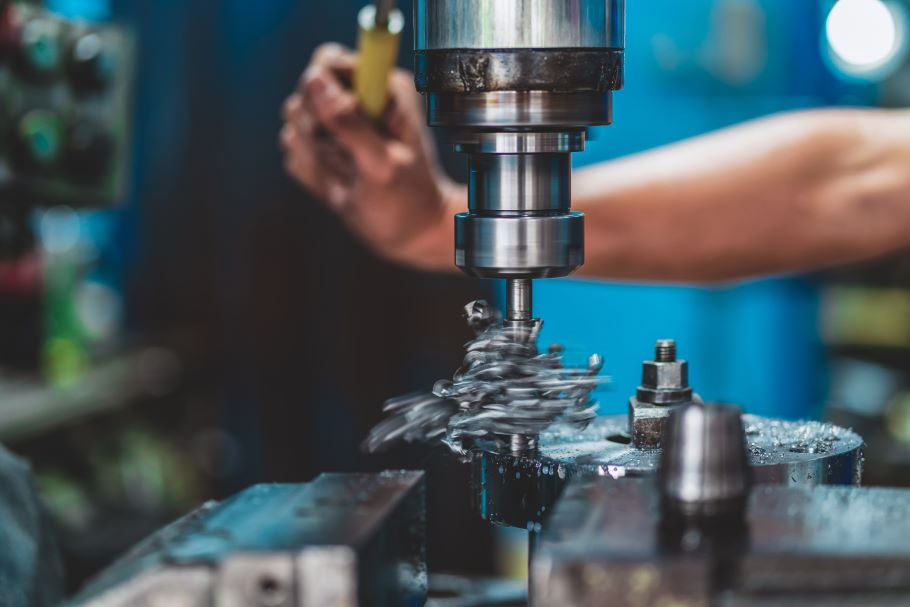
504,387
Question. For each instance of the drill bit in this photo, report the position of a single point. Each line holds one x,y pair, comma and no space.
518,300
505,391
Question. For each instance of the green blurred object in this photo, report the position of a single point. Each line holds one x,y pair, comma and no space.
898,418
64,354
866,316
40,132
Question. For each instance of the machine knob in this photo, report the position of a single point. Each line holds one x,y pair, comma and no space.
39,52
91,65
36,140
704,466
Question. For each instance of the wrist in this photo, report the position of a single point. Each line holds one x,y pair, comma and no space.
433,248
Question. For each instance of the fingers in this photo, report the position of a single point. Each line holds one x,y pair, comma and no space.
336,160
296,116
337,59
336,109
320,165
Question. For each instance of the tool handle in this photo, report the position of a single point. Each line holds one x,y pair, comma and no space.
378,48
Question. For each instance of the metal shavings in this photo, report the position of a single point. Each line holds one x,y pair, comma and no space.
503,388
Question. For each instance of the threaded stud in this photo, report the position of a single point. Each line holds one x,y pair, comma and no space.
666,351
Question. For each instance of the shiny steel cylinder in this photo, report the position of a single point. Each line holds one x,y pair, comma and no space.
704,466
518,299
510,24
531,183
517,82
519,246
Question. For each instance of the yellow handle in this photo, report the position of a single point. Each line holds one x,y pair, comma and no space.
378,48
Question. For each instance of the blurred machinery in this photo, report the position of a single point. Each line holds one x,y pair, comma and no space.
339,540
66,107
677,503
865,308
706,507
70,387
64,143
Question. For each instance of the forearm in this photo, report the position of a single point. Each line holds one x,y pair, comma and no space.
789,193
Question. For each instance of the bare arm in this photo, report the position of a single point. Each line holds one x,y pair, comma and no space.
793,192
789,193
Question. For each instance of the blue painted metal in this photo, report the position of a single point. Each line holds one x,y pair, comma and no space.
755,344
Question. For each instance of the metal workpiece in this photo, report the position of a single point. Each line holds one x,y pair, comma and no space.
606,543
519,246
500,24
601,547
704,467
343,539
520,491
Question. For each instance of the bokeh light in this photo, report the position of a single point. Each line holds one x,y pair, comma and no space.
865,36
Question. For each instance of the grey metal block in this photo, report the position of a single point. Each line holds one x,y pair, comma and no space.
609,542
343,539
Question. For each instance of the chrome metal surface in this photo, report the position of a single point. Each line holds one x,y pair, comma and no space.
369,18
497,24
518,491
703,462
519,247
519,299
351,539
606,544
535,183
517,81
514,109
547,142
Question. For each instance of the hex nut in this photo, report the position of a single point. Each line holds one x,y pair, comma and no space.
664,383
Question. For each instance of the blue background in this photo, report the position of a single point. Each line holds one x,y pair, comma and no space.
755,344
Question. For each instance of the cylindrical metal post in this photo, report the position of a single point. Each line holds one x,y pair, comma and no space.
518,299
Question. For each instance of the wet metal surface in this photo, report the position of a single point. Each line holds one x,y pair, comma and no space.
819,545
520,490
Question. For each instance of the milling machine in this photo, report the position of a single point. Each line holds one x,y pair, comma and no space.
516,84
678,503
